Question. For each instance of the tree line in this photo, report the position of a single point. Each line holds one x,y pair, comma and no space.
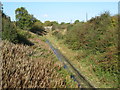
12,30
25,21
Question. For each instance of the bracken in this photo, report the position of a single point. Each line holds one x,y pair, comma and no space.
21,71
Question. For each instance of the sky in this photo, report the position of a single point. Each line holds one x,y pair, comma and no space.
60,0
61,11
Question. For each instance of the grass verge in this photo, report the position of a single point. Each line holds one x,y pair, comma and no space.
84,64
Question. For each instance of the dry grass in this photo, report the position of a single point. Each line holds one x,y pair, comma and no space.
21,71
31,67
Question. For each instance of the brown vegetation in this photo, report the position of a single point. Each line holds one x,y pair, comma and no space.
20,70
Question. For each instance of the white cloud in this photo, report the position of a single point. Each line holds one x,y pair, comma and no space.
45,15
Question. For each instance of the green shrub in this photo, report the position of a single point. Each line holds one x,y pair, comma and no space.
37,28
9,31
25,34
98,36
58,35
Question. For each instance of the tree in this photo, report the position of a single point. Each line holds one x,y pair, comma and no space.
23,19
54,23
77,21
47,23
62,23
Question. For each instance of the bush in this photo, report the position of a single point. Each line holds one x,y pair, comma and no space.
58,35
24,33
37,28
98,36
9,31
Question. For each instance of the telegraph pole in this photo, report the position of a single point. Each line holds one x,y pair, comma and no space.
71,22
